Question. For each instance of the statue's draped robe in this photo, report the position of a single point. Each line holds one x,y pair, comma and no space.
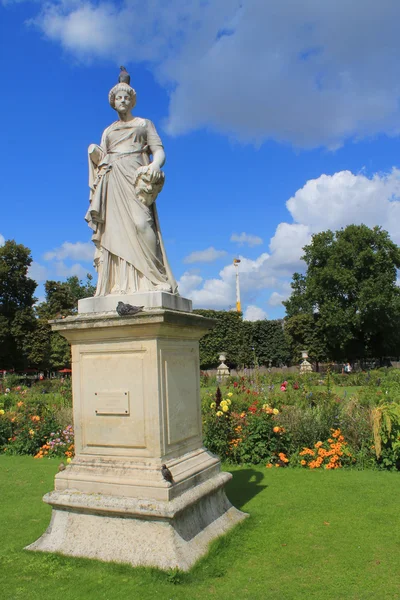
130,255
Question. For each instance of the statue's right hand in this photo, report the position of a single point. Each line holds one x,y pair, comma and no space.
95,153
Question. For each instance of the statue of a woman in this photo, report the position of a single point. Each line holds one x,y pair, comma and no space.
124,183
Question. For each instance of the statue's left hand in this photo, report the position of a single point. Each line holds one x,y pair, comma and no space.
154,172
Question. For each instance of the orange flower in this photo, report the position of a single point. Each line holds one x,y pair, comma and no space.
269,466
20,403
276,429
318,445
35,418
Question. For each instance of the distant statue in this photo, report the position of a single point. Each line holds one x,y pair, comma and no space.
124,184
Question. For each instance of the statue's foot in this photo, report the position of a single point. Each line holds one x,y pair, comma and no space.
163,287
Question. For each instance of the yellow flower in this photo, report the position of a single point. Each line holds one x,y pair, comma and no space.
275,411
1,412
219,413
225,408
213,405
224,403
229,402
31,432
230,395
69,460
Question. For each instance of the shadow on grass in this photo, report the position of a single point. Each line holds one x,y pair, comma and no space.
245,484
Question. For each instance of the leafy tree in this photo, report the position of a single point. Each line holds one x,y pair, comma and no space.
302,333
349,292
16,304
49,350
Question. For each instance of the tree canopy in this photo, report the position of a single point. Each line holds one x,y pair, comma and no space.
347,303
47,349
16,304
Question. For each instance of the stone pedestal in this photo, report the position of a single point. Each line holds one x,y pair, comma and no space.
136,407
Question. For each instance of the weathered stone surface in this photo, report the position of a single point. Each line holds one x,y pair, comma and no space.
158,534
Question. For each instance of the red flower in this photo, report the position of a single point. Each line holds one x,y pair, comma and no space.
235,384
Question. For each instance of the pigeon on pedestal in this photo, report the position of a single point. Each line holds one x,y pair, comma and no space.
127,309
166,473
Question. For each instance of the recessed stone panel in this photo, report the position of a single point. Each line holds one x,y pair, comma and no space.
180,375
113,411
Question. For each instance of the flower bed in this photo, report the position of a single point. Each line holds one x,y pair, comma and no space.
304,423
37,420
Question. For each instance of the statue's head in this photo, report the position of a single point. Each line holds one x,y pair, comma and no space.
122,97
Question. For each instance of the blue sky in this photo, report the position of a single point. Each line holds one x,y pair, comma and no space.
279,120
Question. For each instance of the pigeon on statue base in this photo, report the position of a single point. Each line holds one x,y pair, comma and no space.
166,473
127,309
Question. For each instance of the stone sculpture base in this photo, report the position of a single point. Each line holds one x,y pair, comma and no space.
100,304
136,394
166,535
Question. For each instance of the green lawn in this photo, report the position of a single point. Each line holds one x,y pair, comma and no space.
310,535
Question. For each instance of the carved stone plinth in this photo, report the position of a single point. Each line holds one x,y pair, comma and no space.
137,406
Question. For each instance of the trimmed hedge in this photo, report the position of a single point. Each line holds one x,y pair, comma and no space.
247,343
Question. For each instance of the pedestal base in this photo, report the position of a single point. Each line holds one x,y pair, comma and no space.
136,394
166,535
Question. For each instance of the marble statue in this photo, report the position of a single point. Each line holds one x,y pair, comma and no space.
125,179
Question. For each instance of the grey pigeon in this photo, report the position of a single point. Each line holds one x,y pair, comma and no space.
166,473
127,309
61,467
124,76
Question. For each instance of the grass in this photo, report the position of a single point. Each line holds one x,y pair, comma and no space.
310,535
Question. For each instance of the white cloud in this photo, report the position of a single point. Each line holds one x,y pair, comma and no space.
334,201
276,299
63,270
286,246
38,272
254,313
83,251
246,238
187,283
220,293
310,73
205,256
2,240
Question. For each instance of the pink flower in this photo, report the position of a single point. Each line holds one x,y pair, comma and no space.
283,388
